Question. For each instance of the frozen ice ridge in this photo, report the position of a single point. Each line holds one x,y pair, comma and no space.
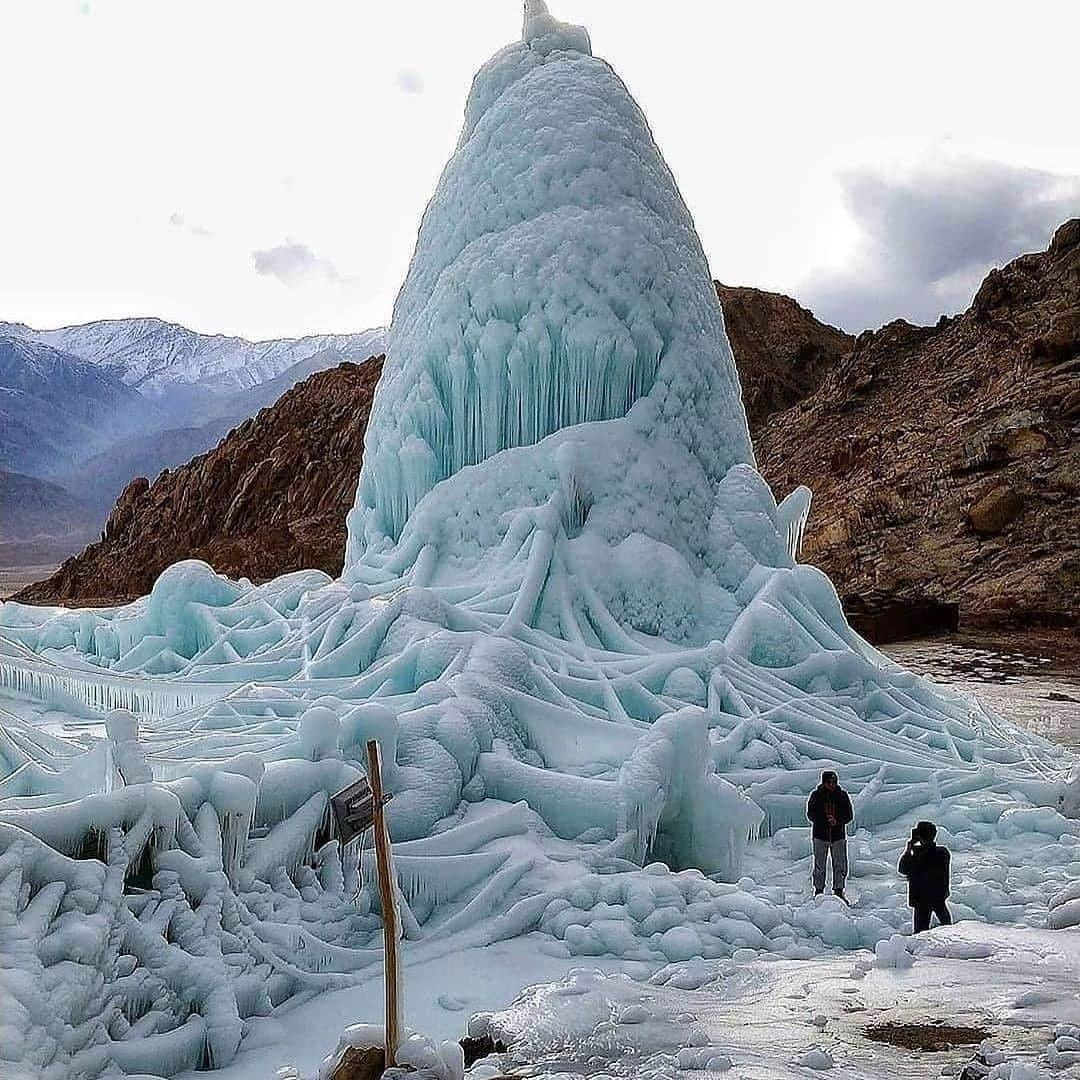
571,614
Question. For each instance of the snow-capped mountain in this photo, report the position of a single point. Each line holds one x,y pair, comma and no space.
155,356
92,406
56,408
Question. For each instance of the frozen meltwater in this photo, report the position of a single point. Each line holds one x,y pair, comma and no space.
572,616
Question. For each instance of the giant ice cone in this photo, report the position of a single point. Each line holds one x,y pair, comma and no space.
571,614
557,281
559,301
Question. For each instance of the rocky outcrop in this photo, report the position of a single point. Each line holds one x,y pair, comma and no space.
944,460
781,350
270,498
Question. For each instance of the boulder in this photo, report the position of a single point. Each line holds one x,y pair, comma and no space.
360,1063
997,509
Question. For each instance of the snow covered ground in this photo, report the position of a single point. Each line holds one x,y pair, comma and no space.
795,1018
573,617
757,1018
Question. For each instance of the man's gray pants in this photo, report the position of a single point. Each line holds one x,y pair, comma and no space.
822,850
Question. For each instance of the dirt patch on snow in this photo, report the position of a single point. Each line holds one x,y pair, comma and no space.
931,1038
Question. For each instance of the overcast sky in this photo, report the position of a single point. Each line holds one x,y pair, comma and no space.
260,168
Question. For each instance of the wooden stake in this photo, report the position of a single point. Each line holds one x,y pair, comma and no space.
388,901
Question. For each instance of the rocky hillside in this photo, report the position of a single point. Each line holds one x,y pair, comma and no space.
271,497
782,351
944,461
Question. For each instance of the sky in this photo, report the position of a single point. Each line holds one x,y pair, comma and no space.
260,167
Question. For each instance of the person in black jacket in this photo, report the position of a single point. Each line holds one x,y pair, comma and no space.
926,867
829,808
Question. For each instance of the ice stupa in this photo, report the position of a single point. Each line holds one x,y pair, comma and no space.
557,283
571,612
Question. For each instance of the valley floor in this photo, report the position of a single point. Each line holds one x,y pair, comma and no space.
758,1019
15,578
1034,681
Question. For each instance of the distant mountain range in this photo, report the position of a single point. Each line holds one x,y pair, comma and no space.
86,408
56,408
35,511
155,356
103,475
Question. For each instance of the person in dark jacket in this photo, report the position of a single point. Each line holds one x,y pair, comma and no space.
829,809
926,867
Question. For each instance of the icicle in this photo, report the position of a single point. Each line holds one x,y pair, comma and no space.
791,517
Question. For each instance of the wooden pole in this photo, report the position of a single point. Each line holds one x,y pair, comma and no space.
388,902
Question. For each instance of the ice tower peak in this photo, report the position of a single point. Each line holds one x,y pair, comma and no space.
535,10
540,29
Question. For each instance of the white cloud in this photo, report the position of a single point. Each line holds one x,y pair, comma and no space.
293,264
410,81
928,238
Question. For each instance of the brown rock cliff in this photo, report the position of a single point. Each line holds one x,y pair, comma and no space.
944,460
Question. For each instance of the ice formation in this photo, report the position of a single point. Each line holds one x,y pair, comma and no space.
571,614
557,283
